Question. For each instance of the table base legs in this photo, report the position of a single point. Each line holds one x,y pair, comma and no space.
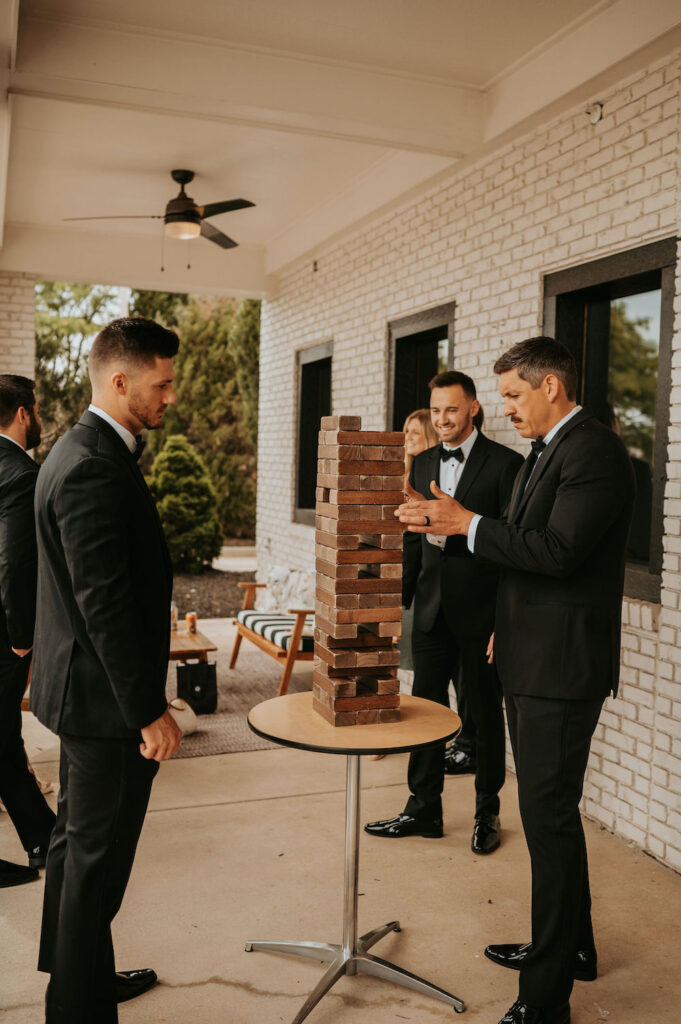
358,961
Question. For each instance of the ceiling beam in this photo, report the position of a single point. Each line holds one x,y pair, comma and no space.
213,81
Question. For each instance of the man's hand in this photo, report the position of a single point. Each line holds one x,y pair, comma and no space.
443,516
161,739
21,652
490,650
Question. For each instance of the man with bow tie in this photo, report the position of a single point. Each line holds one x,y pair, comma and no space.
561,551
454,599
101,655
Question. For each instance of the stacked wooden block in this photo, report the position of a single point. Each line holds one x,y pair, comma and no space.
358,546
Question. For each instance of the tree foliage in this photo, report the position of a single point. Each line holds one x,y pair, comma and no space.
632,384
186,504
68,316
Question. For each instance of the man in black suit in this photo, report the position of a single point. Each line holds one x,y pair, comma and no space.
19,791
454,599
102,640
561,551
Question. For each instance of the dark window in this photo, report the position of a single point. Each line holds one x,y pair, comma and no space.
420,346
616,317
314,394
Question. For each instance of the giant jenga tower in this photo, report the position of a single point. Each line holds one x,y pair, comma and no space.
358,547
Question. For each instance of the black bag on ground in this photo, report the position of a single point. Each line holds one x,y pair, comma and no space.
197,684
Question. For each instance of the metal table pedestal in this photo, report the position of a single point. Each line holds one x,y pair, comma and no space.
352,956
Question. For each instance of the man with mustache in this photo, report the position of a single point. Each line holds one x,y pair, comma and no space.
102,640
19,790
561,549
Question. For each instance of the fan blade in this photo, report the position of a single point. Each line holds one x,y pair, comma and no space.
213,235
122,216
212,209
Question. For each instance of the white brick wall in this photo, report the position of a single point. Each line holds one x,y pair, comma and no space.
17,323
566,193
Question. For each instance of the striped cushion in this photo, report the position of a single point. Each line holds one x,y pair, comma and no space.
277,628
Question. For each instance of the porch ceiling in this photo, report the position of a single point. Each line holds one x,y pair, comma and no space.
319,112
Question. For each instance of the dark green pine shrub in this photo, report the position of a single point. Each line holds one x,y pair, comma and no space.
187,505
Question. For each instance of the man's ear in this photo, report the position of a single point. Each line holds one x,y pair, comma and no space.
119,382
552,387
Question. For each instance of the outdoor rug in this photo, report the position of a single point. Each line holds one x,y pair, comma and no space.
255,678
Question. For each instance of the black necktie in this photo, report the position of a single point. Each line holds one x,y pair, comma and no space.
451,453
140,445
538,447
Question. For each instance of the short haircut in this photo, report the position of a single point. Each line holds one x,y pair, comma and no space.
450,378
133,341
15,392
534,358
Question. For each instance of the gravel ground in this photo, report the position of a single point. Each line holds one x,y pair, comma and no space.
211,594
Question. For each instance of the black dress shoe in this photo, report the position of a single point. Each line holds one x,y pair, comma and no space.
521,1013
16,874
37,857
406,825
130,984
513,954
459,762
486,834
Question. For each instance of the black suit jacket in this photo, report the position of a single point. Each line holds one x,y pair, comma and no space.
451,578
18,559
562,552
104,590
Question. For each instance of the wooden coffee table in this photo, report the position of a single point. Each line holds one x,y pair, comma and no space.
184,646
291,721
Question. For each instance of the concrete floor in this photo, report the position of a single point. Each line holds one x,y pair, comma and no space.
247,846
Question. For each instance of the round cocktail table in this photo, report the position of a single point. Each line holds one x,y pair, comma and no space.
291,721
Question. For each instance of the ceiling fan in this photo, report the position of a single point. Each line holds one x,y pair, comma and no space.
184,218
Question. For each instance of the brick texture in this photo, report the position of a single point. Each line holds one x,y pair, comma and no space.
565,193
17,323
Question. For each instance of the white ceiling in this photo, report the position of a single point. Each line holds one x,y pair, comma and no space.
320,112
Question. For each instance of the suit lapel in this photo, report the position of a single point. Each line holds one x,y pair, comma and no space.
471,467
541,467
432,470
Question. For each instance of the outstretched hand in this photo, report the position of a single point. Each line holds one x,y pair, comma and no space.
443,516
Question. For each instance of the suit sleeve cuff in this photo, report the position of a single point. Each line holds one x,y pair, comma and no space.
472,530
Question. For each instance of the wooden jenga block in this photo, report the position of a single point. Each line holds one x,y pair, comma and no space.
337,497
345,524
369,617
341,423
351,452
335,717
390,454
337,687
389,715
344,467
337,482
368,716
363,585
372,437
358,555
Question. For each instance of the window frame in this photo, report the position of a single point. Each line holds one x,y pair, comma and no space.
416,323
641,583
304,356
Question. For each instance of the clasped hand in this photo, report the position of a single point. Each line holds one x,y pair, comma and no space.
161,739
443,516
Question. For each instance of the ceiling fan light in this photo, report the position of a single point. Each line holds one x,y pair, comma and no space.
183,229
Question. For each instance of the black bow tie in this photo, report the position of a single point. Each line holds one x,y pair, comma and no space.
140,445
538,446
451,453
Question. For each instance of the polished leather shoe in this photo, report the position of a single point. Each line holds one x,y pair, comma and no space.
521,1013
37,857
130,984
459,762
15,874
513,954
406,825
486,834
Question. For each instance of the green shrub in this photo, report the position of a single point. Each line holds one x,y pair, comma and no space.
187,505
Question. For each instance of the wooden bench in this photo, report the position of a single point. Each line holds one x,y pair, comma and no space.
288,628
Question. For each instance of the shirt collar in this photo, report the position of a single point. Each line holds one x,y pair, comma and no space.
8,438
123,432
554,430
467,444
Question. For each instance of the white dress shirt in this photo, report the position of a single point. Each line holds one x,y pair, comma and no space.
473,528
450,474
122,431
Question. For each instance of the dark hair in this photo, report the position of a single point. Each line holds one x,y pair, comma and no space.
449,378
534,358
133,340
15,392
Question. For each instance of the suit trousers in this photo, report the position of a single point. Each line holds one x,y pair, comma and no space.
105,787
19,791
438,654
551,740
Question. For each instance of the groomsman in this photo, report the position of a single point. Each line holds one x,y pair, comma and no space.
102,641
454,600
19,791
561,550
